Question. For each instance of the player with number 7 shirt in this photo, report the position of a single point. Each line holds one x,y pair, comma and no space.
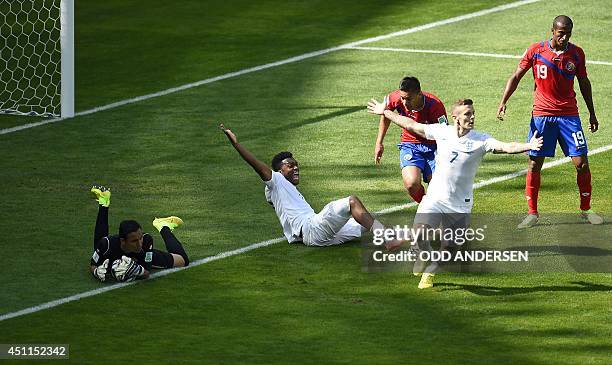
460,150
555,63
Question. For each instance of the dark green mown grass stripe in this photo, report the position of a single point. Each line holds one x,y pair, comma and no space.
138,50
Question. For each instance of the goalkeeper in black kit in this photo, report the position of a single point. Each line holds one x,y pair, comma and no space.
130,254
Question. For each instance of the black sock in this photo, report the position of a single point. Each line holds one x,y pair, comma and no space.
173,245
101,229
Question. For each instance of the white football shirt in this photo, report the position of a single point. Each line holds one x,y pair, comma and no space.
290,206
457,159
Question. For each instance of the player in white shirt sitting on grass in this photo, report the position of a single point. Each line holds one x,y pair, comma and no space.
338,222
460,151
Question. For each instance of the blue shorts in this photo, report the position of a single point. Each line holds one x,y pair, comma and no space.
421,155
566,130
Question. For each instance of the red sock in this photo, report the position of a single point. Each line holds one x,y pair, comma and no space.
532,188
418,196
584,186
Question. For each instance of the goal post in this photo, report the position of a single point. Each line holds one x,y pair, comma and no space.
37,57
67,59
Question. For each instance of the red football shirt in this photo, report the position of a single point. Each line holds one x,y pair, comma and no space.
432,112
554,78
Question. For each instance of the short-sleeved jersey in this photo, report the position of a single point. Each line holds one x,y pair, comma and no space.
110,248
432,112
554,78
290,206
457,160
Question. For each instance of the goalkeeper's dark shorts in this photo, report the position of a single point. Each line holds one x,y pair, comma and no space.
162,260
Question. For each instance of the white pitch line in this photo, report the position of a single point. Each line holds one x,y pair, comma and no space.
273,64
457,53
158,274
254,246
433,51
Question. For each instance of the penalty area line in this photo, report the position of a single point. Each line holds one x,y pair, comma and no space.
257,245
273,64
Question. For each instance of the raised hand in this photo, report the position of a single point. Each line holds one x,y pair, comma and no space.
228,132
374,107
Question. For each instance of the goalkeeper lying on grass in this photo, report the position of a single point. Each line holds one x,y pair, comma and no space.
130,254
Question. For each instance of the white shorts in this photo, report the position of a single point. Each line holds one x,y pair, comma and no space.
333,225
435,213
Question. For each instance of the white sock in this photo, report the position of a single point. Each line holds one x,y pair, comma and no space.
376,225
432,268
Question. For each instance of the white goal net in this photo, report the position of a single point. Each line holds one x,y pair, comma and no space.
31,61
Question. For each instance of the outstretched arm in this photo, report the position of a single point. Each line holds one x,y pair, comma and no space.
511,86
514,147
374,107
587,94
260,168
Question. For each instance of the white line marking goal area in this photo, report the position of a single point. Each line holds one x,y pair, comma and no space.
266,243
457,53
274,64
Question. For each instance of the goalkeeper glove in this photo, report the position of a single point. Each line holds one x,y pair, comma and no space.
100,271
126,269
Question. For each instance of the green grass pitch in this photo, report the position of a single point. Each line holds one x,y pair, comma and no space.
286,303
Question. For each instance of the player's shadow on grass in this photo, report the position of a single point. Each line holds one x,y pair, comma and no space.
564,250
514,290
324,117
292,123
343,171
544,222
